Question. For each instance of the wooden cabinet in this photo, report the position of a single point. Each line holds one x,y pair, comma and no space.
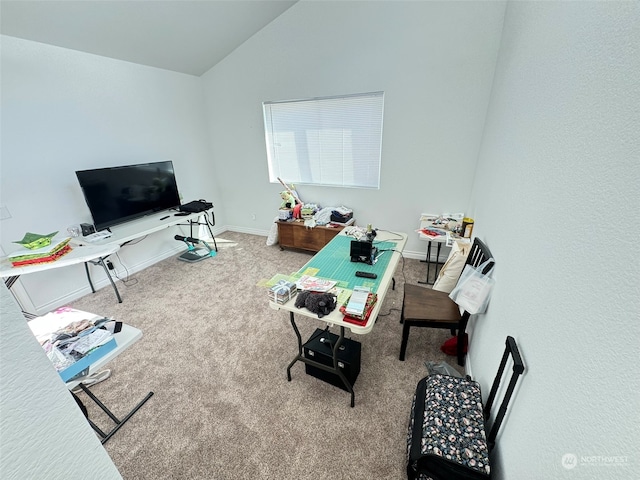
296,235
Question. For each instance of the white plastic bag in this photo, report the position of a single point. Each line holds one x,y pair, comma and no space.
473,290
272,239
442,368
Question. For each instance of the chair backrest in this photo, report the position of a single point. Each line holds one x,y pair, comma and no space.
479,254
518,367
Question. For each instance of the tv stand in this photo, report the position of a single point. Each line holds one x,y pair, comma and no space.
129,231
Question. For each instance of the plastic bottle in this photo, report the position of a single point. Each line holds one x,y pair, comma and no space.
467,227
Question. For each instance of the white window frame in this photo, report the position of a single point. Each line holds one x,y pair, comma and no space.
329,141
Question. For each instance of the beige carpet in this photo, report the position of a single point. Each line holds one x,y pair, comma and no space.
215,355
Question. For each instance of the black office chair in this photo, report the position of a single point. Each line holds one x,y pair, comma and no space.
424,307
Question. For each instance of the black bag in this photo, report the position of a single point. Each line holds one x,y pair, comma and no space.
447,437
196,206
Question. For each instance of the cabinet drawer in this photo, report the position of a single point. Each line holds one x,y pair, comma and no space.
309,238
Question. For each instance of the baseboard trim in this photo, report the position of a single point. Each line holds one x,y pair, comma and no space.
250,231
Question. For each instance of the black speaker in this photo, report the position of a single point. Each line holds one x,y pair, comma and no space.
87,229
319,348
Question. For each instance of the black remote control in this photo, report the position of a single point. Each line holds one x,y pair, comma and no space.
366,275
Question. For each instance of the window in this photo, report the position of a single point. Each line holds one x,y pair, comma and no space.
332,141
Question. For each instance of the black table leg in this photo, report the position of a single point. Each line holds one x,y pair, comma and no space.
429,262
119,423
333,369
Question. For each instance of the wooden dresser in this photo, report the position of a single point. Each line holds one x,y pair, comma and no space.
296,235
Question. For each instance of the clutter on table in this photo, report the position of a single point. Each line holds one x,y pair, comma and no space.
37,248
72,339
282,292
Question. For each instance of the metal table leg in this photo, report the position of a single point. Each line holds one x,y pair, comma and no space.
208,224
333,369
9,281
429,262
119,423
100,261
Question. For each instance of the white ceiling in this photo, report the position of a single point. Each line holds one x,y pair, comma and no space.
181,35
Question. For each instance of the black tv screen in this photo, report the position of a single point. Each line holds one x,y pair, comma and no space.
120,194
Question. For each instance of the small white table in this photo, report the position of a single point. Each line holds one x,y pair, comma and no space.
426,222
125,338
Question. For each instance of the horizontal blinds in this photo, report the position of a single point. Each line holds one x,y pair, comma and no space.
332,141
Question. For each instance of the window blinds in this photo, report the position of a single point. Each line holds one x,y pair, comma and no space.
334,141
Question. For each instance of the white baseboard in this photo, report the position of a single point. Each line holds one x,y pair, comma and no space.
250,231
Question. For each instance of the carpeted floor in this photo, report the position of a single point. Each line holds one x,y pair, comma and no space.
215,355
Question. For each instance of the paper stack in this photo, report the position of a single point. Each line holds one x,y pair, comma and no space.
315,284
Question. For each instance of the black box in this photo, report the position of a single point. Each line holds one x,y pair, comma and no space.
339,217
363,251
319,348
87,229
196,206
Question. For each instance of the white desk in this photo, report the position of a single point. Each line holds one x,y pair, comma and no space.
94,254
336,317
126,232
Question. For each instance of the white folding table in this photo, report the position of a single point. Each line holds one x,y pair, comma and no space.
328,256
94,254
125,338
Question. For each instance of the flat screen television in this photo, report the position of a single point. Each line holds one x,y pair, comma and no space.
119,194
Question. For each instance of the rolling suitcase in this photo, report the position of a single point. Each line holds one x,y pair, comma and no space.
447,437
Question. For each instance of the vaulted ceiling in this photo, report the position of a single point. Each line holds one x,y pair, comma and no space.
180,35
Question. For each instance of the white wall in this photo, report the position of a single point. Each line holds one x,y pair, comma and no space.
63,111
44,433
558,162
556,197
435,63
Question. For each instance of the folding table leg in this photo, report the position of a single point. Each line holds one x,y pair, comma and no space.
119,423
334,369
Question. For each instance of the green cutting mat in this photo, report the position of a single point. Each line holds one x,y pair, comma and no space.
334,262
